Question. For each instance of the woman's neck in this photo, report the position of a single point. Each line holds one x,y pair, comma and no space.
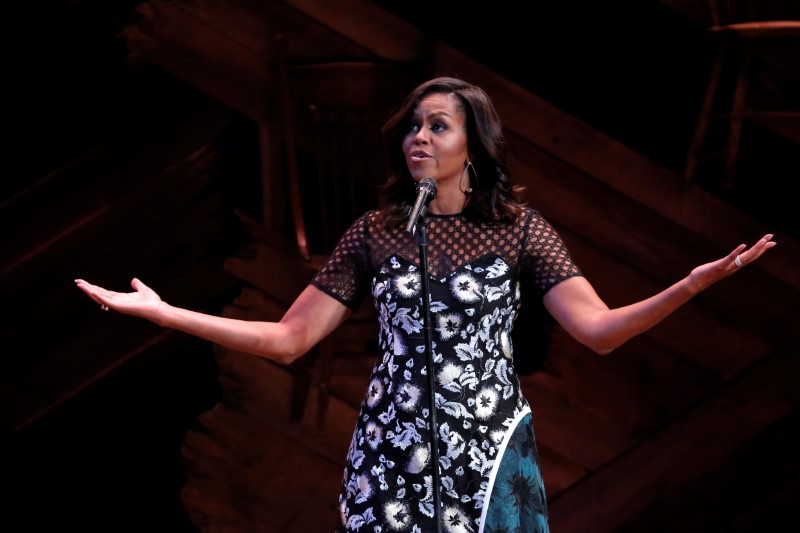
447,202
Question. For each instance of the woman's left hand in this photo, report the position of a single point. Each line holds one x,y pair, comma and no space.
705,275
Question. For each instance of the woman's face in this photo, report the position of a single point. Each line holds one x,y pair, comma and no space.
436,143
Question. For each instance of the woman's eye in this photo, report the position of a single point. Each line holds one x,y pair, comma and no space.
438,127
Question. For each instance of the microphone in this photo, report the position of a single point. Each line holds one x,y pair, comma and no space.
426,191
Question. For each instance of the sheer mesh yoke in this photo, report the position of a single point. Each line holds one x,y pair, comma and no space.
530,245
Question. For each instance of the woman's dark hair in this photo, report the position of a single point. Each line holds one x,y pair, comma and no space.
493,198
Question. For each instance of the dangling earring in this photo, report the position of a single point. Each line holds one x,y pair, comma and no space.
467,167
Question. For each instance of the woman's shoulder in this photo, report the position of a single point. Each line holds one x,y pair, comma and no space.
534,223
529,215
371,217
371,222
528,211
376,218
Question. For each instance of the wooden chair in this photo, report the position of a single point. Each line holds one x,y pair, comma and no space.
334,156
751,43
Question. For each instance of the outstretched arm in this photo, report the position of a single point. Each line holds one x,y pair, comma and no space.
583,314
312,316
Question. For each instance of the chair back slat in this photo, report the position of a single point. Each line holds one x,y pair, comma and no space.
335,156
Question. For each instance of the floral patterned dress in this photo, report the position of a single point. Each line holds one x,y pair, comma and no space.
489,472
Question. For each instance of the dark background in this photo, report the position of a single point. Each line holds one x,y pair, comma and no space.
70,85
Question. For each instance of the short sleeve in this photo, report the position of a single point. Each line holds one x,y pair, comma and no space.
345,275
545,259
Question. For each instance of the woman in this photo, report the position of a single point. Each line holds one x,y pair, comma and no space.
485,250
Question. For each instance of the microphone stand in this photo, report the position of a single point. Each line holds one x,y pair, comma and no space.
422,241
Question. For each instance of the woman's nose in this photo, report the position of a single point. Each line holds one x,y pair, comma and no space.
421,135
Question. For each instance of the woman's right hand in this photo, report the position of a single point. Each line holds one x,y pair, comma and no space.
144,302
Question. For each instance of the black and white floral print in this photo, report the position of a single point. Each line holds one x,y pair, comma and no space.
490,480
477,398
